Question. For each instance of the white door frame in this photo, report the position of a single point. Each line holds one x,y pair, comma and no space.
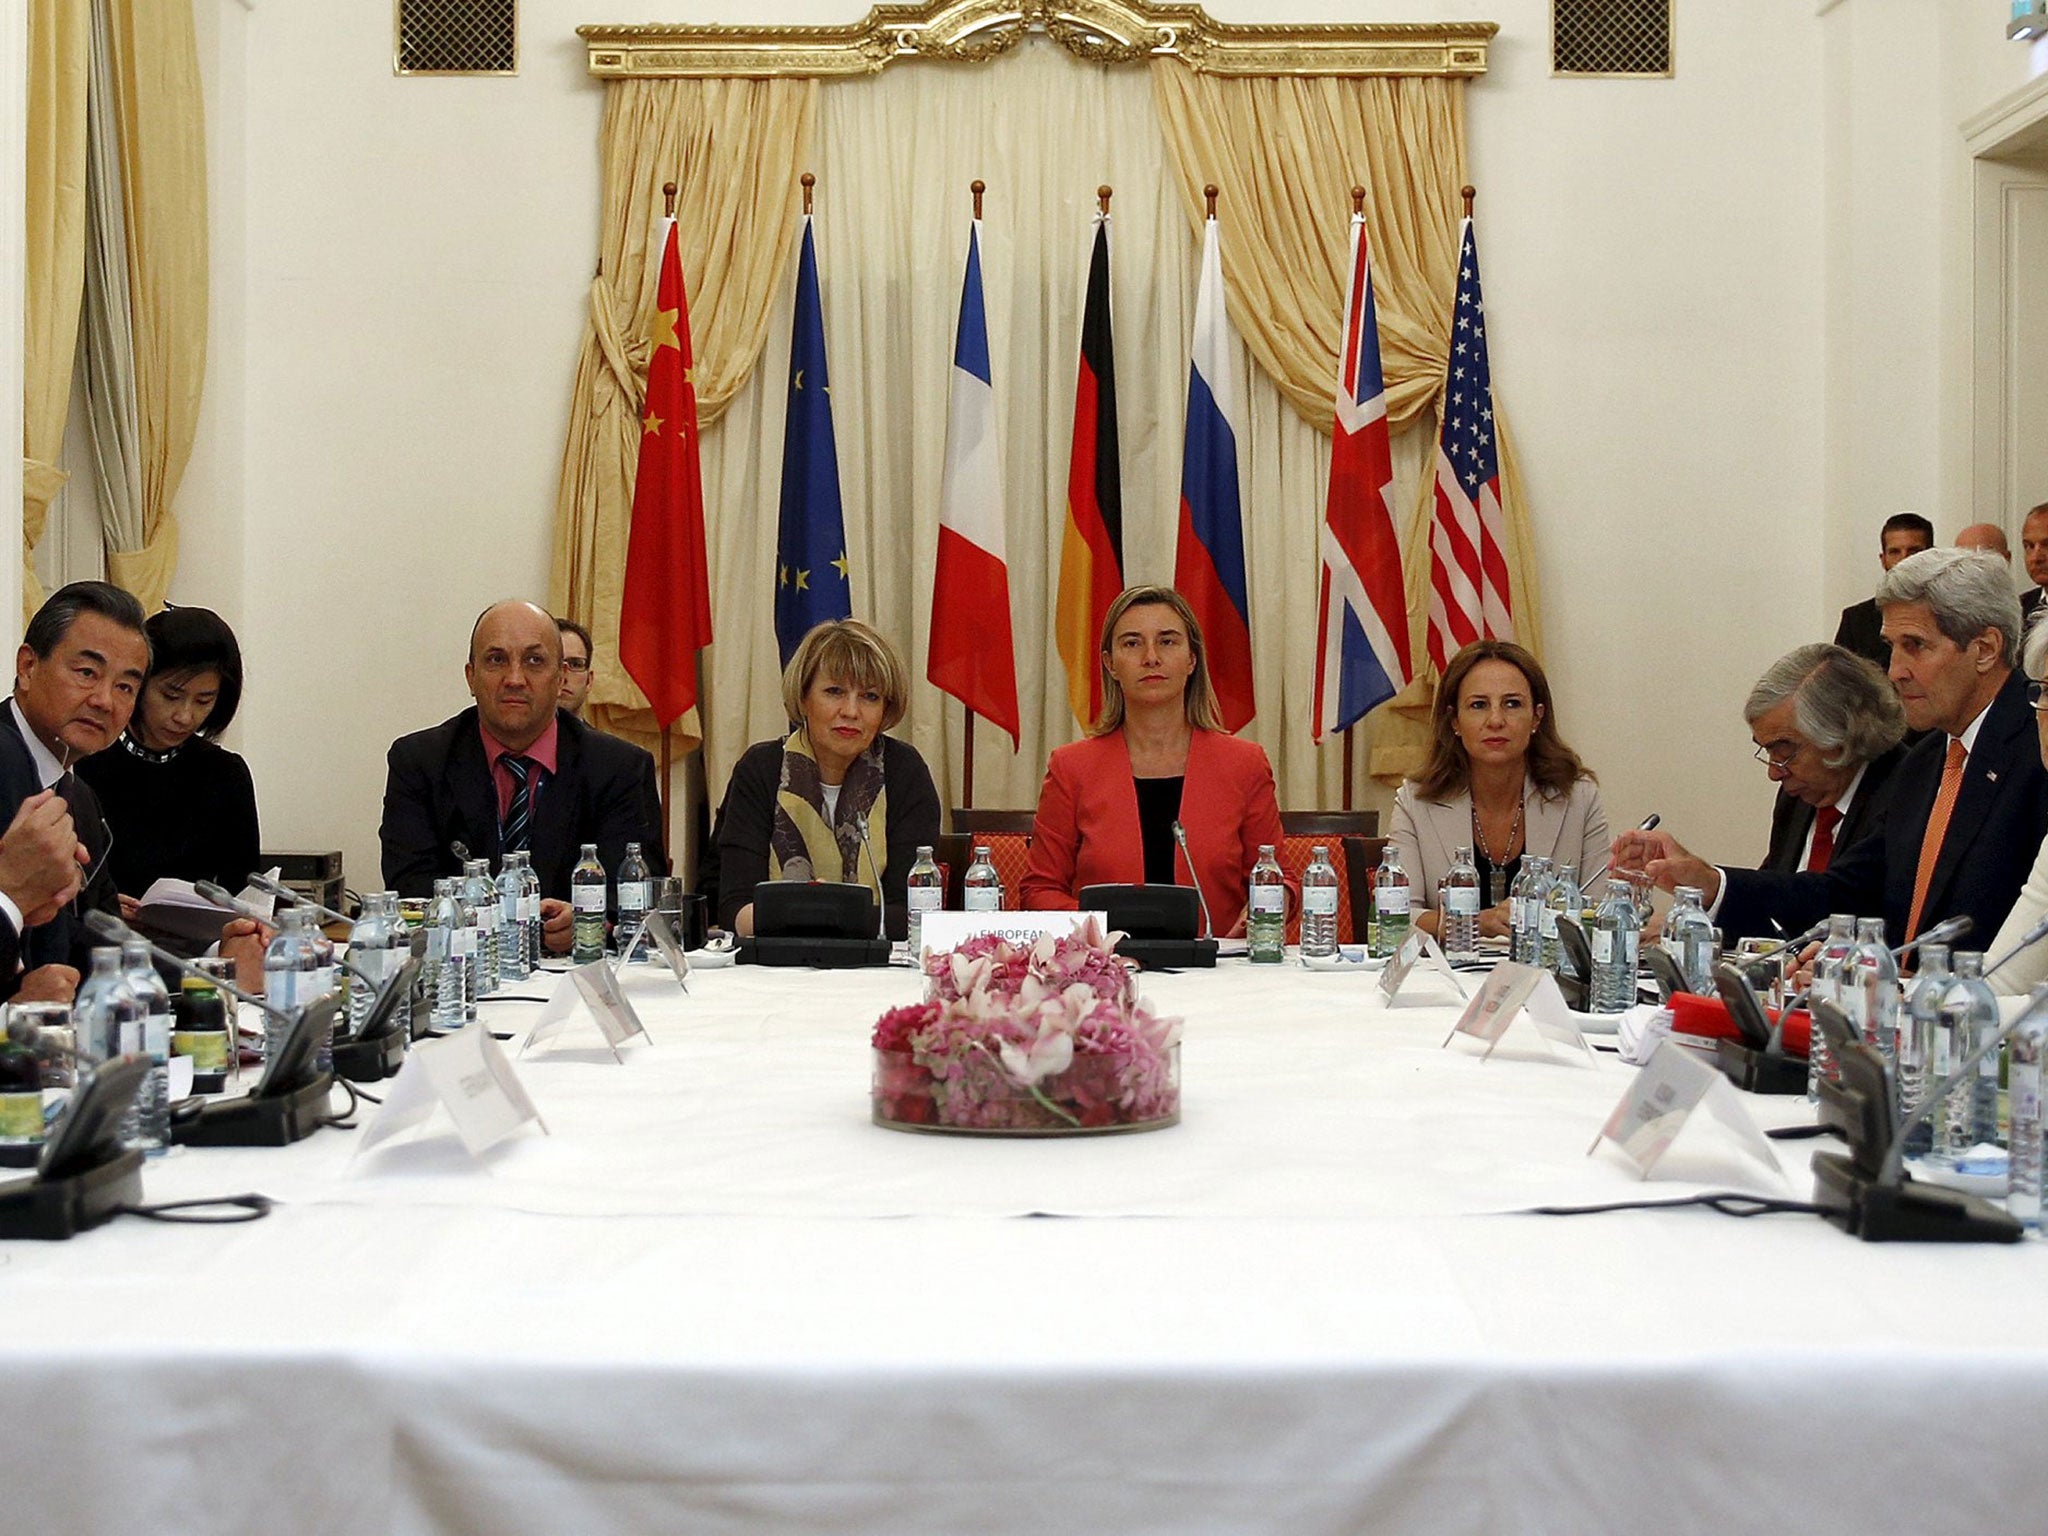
2008,143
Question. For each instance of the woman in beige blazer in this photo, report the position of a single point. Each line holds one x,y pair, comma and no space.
1500,781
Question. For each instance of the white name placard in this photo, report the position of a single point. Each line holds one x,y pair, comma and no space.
1417,946
466,1074
597,989
658,932
1662,1097
949,930
1511,992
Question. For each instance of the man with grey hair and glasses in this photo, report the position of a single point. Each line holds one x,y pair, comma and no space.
1827,728
1969,803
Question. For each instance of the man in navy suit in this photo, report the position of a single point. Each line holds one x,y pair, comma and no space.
1970,802
515,772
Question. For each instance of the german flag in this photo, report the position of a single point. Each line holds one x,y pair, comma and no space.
1092,546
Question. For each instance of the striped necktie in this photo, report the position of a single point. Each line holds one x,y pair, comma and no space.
514,833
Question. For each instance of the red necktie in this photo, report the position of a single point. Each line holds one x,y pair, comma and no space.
1825,820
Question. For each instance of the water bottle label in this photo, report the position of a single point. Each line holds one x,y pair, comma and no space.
130,1031
985,899
1546,922
1393,902
437,944
589,898
529,907
926,898
1603,947
1319,900
462,942
156,1036
632,895
1270,898
1462,900
2023,1088
508,908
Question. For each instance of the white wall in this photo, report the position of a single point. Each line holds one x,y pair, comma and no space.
1719,325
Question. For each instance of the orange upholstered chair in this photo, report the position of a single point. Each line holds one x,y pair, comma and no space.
1339,831
1008,835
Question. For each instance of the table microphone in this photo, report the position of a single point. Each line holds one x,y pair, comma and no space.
860,825
221,897
460,849
1208,926
107,926
1946,931
283,892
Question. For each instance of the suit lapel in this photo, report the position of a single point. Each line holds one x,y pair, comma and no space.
1545,820
1984,775
554,816
471,792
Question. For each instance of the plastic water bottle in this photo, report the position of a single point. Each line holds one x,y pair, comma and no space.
1319,906
1563,899
1919,1027
529,909
2027,1045
984,887
480,891
1614,941
1459,913
1390,901
1870,992
1268,922
1525,909
1969,1013
149,1120
512,962
106,1014
1827,988
586,894
291,977
636,894
926,892
1689,939
451,951
379,946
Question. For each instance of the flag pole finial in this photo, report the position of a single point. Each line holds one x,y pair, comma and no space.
809,181
668,196
1209,195
1357,202
1102,199
1468,192
977,187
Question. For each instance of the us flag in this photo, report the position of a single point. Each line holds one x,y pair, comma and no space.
1468,568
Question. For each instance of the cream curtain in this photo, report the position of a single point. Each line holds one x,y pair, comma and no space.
734,148
155,69
1289,151
59,33
107,334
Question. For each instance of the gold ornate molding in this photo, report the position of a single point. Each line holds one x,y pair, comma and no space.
1099,31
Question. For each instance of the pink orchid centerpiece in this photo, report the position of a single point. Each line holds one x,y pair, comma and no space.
1048,1038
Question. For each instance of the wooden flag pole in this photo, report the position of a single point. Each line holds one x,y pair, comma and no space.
809,181
1348,730
667,763
668,199
1209,195
1102,200
1468,192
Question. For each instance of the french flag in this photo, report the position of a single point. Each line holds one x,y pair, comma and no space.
1362,652
972,656
1208,568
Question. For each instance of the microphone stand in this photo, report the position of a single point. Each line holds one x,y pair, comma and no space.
1194,879
881,904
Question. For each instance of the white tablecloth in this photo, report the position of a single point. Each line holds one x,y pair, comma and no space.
1290,1313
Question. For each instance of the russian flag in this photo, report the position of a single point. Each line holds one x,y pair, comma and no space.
972,656
1362,609
1208,568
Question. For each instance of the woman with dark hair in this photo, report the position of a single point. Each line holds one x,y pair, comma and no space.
179,805
1157,758
1500,781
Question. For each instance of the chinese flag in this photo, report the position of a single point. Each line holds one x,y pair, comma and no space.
665,614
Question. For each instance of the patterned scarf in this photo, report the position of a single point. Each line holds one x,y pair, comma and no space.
804,843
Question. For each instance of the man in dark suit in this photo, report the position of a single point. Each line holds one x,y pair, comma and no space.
2034,555
1903,534
1969,804
514,772
1827,726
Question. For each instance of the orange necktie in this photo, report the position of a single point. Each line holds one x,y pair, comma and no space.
1937,829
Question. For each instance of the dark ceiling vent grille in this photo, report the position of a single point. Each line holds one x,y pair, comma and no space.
1628,38
458,37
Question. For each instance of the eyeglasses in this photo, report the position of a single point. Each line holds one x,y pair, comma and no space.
575,664
2034,693
1777,754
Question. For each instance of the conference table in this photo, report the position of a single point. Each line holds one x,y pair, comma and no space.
712,1296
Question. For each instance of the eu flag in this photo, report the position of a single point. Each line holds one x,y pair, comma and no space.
811,572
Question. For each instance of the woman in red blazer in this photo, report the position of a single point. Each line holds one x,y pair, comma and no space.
1157,753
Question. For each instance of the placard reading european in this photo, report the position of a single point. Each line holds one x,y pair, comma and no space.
949,930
